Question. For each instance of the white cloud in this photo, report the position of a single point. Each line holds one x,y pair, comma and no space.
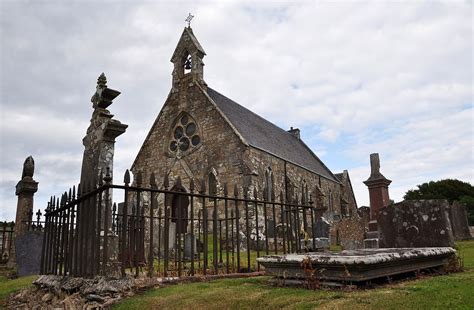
359,77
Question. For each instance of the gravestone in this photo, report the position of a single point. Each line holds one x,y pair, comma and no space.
415,223
459,222
171,237
321,228
315,244
28,252
189,240
271,229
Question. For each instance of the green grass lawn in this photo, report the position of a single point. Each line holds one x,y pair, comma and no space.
454,291
8,286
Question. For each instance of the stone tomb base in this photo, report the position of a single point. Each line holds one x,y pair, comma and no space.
355,266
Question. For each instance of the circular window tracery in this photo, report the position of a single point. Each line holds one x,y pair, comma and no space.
184,135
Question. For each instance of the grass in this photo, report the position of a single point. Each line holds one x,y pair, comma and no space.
8,286
453,291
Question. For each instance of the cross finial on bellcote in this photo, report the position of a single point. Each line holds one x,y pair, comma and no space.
188,19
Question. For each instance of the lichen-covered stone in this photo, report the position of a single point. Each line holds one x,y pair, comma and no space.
415,223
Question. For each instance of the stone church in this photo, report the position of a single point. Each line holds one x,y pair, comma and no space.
201,134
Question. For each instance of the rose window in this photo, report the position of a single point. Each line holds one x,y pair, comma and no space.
185,135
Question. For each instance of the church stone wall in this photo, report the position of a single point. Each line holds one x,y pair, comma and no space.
298,178
220,151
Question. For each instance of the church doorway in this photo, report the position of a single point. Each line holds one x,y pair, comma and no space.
179,209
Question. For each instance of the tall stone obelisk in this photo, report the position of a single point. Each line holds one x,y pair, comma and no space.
25,189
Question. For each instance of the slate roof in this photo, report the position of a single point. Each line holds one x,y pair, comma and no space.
262,134
339,176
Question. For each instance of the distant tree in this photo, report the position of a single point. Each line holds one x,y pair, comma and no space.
469,202
450,189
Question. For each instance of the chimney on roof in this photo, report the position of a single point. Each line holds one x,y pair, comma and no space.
295,132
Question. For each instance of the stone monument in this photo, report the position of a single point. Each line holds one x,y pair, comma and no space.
97,161
25,189
415,224
100,137
379,198
459,222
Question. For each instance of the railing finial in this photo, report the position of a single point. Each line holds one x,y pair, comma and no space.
126,177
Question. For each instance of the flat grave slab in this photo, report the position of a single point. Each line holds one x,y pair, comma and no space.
355,265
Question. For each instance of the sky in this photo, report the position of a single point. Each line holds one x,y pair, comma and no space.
357,77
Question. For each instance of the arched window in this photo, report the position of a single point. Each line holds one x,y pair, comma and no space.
212,184
304,192
187,63
269,184
330,200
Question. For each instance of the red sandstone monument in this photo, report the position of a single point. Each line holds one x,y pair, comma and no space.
379,198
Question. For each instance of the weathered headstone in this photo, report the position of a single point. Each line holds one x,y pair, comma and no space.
28,253
316,244
189,240
459,222
271,229
171,236
415,223
321,228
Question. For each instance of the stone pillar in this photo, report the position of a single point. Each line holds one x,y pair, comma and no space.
100,137
378,187
97,161
25,189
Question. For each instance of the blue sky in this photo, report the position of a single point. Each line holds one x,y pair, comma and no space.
356,77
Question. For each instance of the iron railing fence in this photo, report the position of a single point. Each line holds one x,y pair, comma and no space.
7,233
6,239
170,232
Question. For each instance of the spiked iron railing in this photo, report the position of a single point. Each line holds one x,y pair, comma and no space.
6,239
170,231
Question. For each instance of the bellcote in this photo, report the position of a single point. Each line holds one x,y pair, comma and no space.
187,60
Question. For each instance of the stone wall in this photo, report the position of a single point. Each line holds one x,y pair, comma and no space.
349,233
220,155
226,163
415,223
236,163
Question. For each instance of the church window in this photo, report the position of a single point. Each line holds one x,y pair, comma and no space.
178,132
185,134
173,146
184,144
269,184
212,184
184,120
195,140
190,129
